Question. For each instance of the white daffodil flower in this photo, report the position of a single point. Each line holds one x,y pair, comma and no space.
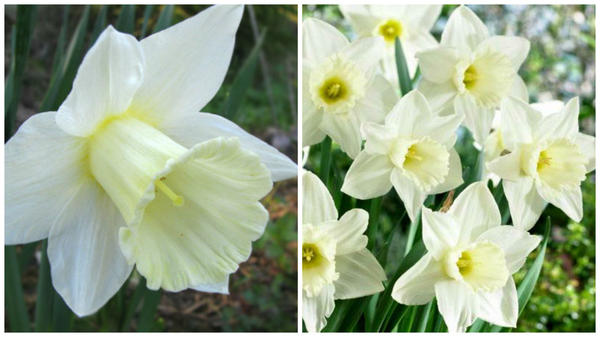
548,160
335,261
469,263
410,23
128,172
413,152
340,88
471,72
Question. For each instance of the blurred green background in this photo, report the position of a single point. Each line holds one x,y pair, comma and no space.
560,65
259,93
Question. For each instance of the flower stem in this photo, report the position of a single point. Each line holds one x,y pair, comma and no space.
374,211
43,306
403,75
325,160
146,320
13,292
412,233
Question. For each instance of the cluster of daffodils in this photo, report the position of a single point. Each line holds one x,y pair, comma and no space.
129,173
469,78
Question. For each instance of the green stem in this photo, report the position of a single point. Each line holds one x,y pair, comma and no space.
374,210
151,300
43,306
412,233
133,304
425,317
403,76
13,293
325,160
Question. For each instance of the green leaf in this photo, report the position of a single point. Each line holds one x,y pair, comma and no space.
374,210
146,321
243,80
165,18
44,300
126,20
99,24
403,76
20,41
16,311
147,14
133,304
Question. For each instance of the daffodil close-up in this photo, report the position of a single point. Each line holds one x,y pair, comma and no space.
477,182
129,174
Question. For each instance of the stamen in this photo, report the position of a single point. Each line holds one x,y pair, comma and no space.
308,254
470,77
177,199
412,154
334,90
543,161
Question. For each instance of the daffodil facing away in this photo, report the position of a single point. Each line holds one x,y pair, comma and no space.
471,72
335,261
469,263
409,23
413,152
547,161
128,172
340,87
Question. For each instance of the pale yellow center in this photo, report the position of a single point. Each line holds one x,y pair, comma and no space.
390,29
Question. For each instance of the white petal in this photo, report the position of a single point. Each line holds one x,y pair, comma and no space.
417,285
311,115
516,48
568,201
87,265
454,177
422,16
348,231
186,63
438,95
43,168
379,138
219,287
457,304
500,307
564,124
588,149
108,77
368,176
365,53
524,202
360,18
464,30
477,119
519,89
344,130
320,39
438,65
507,166
517,122
194,128
205,239
440,232
515,243
416,42
409,193
316,310
317,203
360,275
475,211
379,99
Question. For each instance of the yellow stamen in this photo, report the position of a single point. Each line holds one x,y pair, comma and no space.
464,263
177,199
470,77
310,255
543,161
412,154
390,30
334,90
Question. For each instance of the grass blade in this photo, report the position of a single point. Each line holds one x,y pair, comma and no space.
43,305
99,24
133,304
147,14
126,20
18,318
151,300
165,18
403,76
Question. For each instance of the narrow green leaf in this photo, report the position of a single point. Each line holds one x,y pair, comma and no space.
99,24
20,53
325,160
126,19
147,14
424,317
164,19
16,311
149,306
133,304
409,319
412,233
26,255
61,314
44,300
374,210
403,76
242,81
49,101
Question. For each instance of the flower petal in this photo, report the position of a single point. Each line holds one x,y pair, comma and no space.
517,121
422,17
515,243
588,149
416,42
317,203
417,285
457,304
311,115
219,287
519,89
365,52
477,119
379,99
475,211
500,307
206,238
564,124
464,30
438,95
438,64
409,193
515,47
109,75
360,18
379,138
569,200
43,169
440,232
87,265
348,231
507,166
193,128
186,81
454,177
316,309
320,39
524,202
344,130
368,176
360,275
